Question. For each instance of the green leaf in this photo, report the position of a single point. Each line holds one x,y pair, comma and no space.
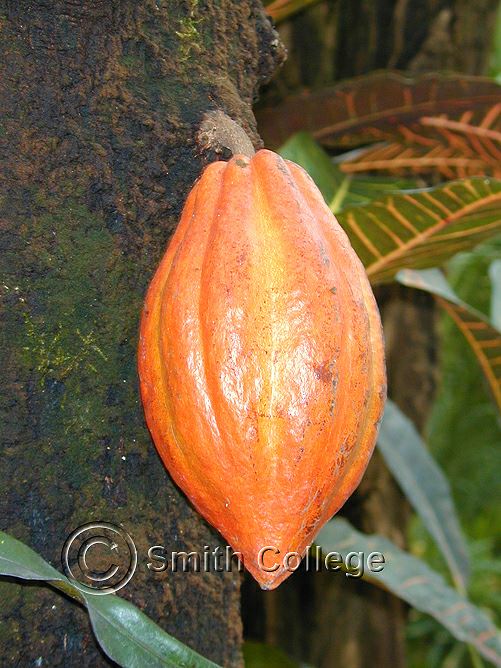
339,190
131,639
463,433
483,337
260,655
306,152
126,634
19,561
413,581
432,281
423,228
365,189
426,487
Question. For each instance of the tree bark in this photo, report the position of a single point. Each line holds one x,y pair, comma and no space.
100,104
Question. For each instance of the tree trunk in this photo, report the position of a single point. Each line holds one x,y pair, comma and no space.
100,103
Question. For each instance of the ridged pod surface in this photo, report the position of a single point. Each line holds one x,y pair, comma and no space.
261,359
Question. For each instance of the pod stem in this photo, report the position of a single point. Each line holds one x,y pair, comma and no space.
218,130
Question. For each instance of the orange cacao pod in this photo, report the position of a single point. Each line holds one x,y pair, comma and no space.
261,359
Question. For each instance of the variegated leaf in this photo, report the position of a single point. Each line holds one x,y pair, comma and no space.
423,228
453,148
385,106
402,160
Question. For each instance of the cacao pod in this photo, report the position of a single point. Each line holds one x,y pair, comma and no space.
261,359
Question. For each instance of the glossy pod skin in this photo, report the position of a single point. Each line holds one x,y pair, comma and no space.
261,359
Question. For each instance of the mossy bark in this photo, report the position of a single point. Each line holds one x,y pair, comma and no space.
100,104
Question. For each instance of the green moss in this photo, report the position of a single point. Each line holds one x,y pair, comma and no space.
50,357
79,330
189,32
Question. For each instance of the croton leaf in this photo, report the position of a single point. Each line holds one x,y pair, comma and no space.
483,337
451,154
462,111
423,228
280,10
